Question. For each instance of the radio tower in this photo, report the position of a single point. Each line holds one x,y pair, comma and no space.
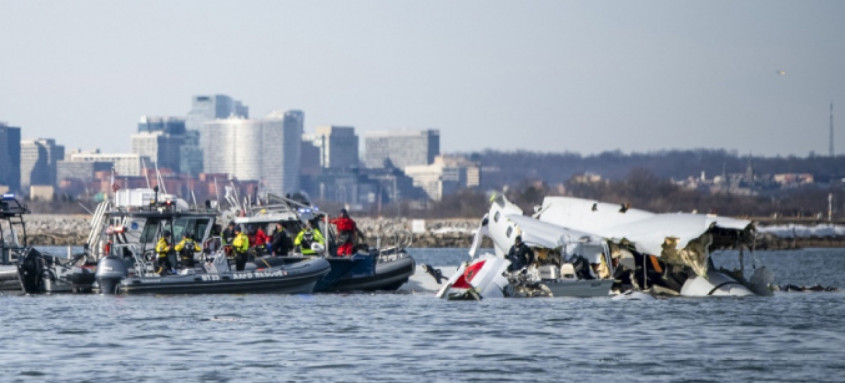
831,129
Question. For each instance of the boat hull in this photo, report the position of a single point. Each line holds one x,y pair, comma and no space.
360,272
9,279
299,278
387,276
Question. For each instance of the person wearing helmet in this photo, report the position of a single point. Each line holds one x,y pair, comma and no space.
186,248
241,246
162,251
306,237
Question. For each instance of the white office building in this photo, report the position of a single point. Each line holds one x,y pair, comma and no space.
267,150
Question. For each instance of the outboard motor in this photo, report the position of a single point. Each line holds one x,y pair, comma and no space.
34,273
110,271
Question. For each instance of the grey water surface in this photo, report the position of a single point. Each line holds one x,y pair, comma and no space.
790,337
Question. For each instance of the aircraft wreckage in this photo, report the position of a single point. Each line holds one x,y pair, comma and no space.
586,248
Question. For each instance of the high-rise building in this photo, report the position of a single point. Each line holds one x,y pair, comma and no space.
292,123
10,157
161,148
401,147
38,161
206,108
171,125
267,150
190,154
338,146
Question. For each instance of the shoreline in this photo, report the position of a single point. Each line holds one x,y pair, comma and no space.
72,230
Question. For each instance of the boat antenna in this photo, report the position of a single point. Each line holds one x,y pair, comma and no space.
112,183
85,208
193,196
146,175
160,180
217,192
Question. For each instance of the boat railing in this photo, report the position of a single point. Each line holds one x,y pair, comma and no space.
143,266
398,239
94,236
13,245
211,246
9,255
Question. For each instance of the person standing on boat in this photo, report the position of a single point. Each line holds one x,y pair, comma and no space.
281,244
228,237
229,233
258,241
307,237
186,248
241,246
346,229
162,253
520,255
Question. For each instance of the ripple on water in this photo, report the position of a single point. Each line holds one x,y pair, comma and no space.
384,337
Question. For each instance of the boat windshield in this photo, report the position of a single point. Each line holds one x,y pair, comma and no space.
150,233
196,226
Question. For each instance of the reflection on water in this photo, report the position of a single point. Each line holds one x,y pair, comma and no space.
399,337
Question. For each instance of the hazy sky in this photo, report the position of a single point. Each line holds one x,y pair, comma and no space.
585,76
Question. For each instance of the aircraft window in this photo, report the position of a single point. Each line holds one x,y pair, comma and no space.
510,231
496,217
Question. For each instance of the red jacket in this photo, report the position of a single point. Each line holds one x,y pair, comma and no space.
259,238
344,224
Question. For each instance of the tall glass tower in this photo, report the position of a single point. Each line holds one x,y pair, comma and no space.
10,157
206,108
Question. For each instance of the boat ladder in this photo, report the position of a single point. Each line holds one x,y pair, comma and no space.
97,227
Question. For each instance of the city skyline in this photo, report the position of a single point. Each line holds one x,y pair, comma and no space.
753,77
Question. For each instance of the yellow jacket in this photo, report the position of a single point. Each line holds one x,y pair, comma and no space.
304,241
241,243
162,247
187,242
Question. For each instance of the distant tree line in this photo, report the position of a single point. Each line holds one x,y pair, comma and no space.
642,189
501,168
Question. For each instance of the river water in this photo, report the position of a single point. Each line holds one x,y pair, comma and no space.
790,337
